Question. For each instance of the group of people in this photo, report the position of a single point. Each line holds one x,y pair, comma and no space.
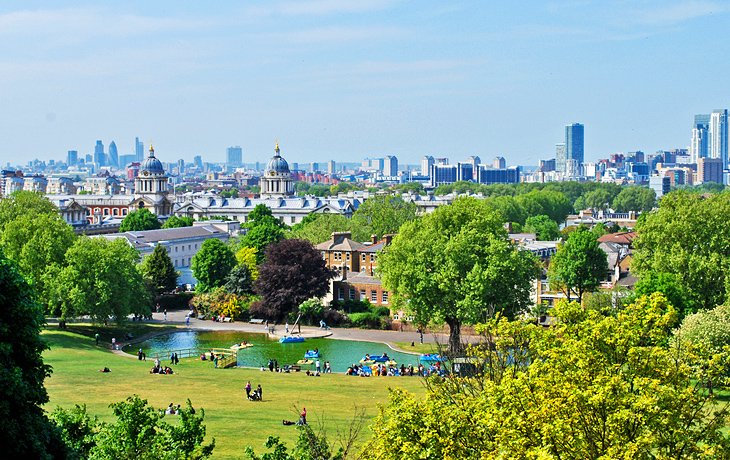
141,355
255,395
381,370
173,358
172,409
159,369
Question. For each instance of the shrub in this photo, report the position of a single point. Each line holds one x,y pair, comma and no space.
366,320
381,311
335,317
352,306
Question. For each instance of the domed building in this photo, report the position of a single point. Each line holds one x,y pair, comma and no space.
277,181
150,187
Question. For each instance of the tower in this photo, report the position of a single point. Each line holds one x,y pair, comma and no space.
150,187
699,146
234,157
718,136
426,163
277,181
113,155
99,154
574,142
138,149
390,166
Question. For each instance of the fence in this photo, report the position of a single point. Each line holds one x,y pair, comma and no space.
226,356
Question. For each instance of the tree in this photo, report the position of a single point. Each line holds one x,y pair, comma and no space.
176,221
545,228
593,386
262,229
381,215
159,270
635,198
100,279
579,265
688,237
598,199
293,272
212,264
247,257
26,432
22,203
139,432
239,281
457,266
318,228
669,285
139,220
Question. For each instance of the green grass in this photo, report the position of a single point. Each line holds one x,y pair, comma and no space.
229,417
417,347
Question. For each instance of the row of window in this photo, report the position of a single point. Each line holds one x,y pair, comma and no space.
363,295
106,211
338,256
181,262
190,247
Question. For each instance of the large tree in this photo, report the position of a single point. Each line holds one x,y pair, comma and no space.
688,237
545,228
262,229
177,221
239,281
26,431
158,269
318,228
380,215
580,264
139,220
457,266
212,264
23,203
293,272
591,387
635,198
100,279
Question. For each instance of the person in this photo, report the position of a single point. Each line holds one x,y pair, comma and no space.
157,308
260,392
187,320
165,313
215,360
105,370
276,365
317,366
248,390
303,416
170,410
96,337
327,367
114,343
286,327
139,354
271,365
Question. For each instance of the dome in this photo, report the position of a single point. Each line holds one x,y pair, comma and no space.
277,164
152,164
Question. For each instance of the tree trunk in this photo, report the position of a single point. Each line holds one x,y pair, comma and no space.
455,347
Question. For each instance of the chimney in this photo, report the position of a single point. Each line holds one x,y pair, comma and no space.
339,237
373,239
388,238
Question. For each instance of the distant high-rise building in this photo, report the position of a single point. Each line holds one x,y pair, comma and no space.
699,147
474,161
560,158
718,136
234,157
138,149
314,167
198,161
181,166
709,170
295,166
113,155
331,165
99,153
574,147
89,158
660,184
426,163
390,166
72,157
499,163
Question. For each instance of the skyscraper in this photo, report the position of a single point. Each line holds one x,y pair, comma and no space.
390,166
138,149
560,158
72,157
499,163
99,154
426,163
331,165
699,146
234,157
198,161
718,136
574,142
113,155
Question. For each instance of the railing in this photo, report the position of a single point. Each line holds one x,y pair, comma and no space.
226,356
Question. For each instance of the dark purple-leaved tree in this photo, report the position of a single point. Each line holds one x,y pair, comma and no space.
292,272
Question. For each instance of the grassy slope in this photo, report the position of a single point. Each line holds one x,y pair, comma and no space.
232,420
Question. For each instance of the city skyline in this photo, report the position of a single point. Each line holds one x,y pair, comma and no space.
349,80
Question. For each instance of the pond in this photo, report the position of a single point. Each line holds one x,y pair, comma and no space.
340,353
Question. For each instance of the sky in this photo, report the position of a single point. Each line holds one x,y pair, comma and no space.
350,79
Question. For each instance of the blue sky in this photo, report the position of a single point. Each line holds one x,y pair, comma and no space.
344,80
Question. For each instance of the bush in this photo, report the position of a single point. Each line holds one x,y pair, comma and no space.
179,301
382,311
352,306
335,317
366,320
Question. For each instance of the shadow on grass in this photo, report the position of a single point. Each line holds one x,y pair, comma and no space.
57,337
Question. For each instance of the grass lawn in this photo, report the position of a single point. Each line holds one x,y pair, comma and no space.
229,417
421,348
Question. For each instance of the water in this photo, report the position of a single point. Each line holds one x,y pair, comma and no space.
340,353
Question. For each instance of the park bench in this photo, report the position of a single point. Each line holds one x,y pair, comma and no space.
227,319
256,321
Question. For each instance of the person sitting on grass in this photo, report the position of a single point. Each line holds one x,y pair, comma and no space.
105,370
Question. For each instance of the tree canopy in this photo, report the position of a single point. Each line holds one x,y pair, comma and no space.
26,432
262,229
580,265
545,228
139,220
318,228
177,221
456,265
293,272
381,215
239,281
158,269
635,198
212,264
591,386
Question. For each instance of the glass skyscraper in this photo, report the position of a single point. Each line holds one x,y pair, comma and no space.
718,136
574,145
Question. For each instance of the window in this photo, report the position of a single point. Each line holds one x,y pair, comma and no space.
385,296
362,294
338,256
352,293
395,316
106,211
175,248
348,256
292,219
340,294
189,246
372,257
374,296
363,258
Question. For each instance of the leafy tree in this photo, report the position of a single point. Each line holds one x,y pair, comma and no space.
318,228
212,264
592,386
669,285
139,432
262,229
293,272
159,270
710,329
26,432
545,228
177,221
457,266
545,202
410,187
597,199
381,215
509,208
635,198
688,237
139,220
247,256
22,203
579,265
230,193
100,279
239,281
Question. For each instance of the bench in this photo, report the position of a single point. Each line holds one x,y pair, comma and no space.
256,321
227,319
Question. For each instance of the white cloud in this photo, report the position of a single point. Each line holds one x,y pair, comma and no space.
669,14
318,7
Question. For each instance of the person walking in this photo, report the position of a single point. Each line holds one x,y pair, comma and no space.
260,392
318,366
96,337
248,389
187,320
165,314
